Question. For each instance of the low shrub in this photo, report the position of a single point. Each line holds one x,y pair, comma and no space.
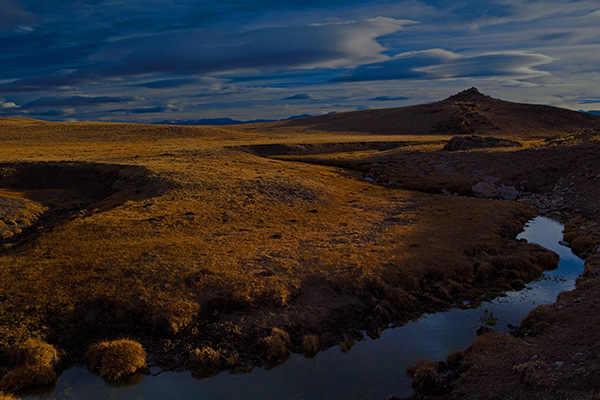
116,359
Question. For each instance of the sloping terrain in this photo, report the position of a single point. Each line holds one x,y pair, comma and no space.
465,113
188,238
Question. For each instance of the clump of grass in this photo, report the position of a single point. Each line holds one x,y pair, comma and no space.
206,359
347,344
116,359
7,396
582,244
538,320
310,345
28,376
425,376
454,358
36,352
36,360
276,345
531,372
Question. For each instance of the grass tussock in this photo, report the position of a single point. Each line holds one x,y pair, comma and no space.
35,362
8,396
116,359
539,320
310,345
276,346
347,344
206,360
425,376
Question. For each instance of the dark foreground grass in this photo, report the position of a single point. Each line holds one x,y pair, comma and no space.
34,363
116,359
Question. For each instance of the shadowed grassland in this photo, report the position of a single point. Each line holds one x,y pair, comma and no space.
211,256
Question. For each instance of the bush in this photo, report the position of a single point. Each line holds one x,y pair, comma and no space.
35,366
116,359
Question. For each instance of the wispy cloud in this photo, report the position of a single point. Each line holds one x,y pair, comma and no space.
77,101
443,64
270,60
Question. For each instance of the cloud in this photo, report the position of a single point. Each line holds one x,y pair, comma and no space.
299,96
330,45
8,104
16,17
76,101
55,112
443,64
152,110
389,98
167,83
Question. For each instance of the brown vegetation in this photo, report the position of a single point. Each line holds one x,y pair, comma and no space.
34,363
117,358
7,396
310,345
185,238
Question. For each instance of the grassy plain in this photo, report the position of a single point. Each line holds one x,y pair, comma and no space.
190,241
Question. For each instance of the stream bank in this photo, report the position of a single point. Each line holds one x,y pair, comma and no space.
372,369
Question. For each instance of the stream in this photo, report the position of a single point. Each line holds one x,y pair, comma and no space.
372,369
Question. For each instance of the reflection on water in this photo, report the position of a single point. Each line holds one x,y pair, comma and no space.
373,369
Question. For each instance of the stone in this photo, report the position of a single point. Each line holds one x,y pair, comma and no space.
492,179
484,190
508,193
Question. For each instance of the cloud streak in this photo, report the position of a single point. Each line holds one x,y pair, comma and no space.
443,64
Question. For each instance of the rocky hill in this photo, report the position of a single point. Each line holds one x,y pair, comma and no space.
464,113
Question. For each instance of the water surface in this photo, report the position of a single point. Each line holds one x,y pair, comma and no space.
372,369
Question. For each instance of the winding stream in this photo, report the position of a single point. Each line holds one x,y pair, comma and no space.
373,369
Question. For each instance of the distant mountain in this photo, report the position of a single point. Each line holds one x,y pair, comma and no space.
465,113
224,121
595,112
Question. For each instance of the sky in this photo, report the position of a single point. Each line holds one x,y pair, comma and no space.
153,60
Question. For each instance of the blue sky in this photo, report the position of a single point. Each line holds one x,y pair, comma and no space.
149,60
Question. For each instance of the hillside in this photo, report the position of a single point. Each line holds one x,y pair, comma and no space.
224,240
467,112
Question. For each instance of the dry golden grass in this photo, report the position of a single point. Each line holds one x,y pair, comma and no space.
276,346
34,365
310,345
171,232
117,358
206,359
7,396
